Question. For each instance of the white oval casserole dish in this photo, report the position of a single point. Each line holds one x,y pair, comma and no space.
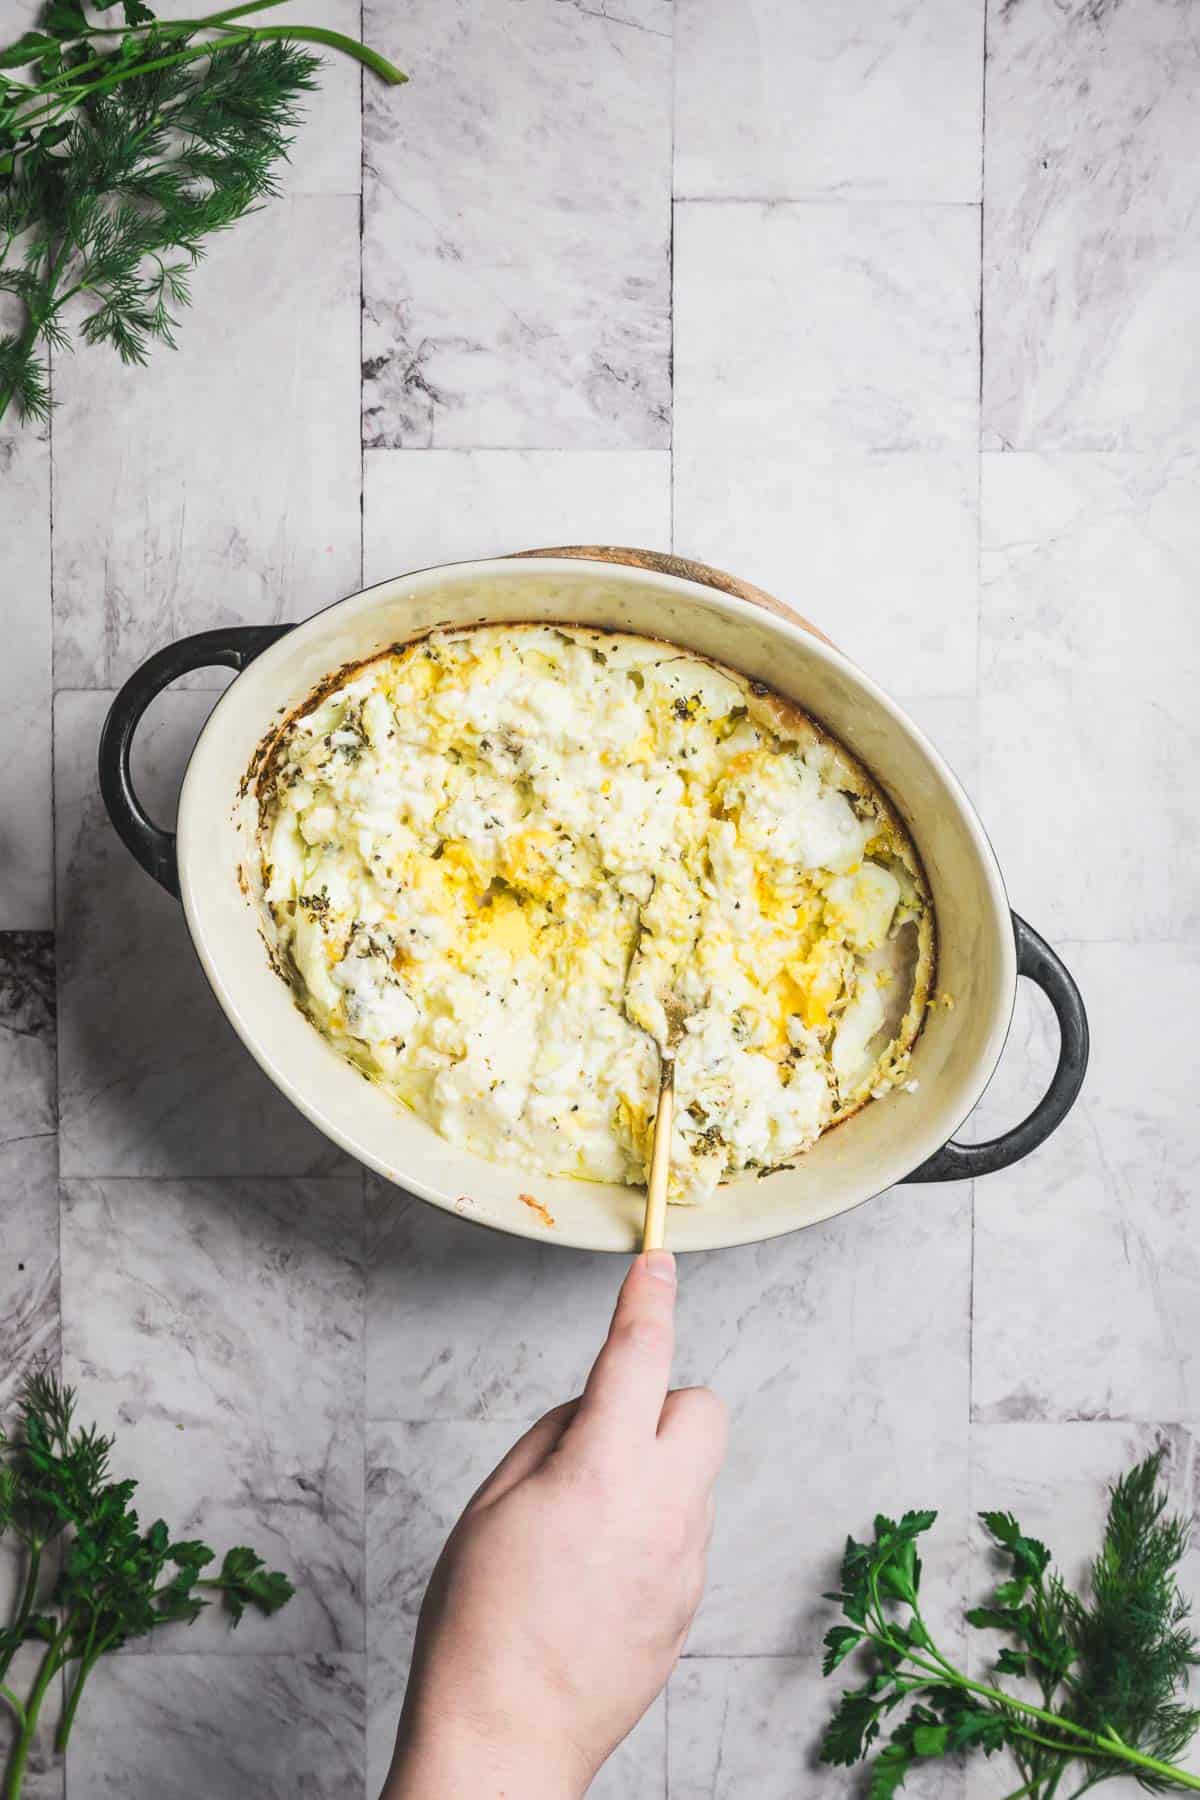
212,863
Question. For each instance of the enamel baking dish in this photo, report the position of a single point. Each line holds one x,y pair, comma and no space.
211,864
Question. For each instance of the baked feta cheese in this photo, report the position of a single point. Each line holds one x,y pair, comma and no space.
489,858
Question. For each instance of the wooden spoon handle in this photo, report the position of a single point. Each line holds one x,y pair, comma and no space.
654,1232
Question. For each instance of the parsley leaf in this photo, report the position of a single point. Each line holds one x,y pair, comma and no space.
115,1581
1110,1666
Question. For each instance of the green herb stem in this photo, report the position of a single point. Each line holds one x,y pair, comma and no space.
1114,1747
29,1590
335,40
941,1670
73,94
86,1664
51,1663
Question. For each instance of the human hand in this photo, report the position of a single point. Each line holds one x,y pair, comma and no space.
562,1599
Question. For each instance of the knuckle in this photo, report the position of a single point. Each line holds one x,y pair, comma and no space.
641,1334
711,1413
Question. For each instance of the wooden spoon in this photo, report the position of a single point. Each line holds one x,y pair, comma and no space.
654,1230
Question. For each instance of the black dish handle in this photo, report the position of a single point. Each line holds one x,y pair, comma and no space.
960,1162
230,647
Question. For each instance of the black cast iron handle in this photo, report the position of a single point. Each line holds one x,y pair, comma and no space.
959,1162
230,647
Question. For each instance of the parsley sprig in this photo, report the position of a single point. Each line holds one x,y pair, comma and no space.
122,150
1108,1669
111,1580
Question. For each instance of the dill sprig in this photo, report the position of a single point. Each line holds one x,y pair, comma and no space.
122,151
1109,1668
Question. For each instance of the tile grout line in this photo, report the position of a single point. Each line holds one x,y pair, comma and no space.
979,417
671,286
362,1171
362,188
61,1682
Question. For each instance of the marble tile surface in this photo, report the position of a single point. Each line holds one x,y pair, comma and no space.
29,1312
1087,1272
199,1727
824,328
216,1329
742,1726
672,274
1091,204
450,505
26,853
419,1478
1054,1478
778,102
231,494
153,1080
855,1334
29,1283
527,1318
951,722
880,550
1089,657
532,154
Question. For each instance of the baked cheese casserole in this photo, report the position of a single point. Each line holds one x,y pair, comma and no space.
489,858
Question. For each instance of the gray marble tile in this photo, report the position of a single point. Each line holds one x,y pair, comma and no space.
1088,664
29,1314
29,1300
777,102
1091,202
153,1080
825,328
27,1036
741,1727
215,1727
234,495
517,226
881,551
29,1320
448,505
1087,1272
951,722
843,1352
26,856
419,1478
216,1329
1055,1479
464,1323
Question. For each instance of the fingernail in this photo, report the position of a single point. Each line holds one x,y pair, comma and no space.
661,1264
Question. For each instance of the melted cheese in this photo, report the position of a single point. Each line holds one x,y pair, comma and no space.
490,857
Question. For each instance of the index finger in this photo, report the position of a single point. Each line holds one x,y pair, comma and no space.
624,1396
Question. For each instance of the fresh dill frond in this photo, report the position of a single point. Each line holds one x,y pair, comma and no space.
1134,1647
130,149
1110,1667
